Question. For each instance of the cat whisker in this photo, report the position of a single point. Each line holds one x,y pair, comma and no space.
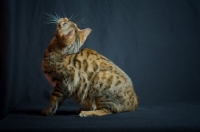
71,16
57,17
50,21
72,19
65,15
50,15
84,23
51,18
47,18
80,22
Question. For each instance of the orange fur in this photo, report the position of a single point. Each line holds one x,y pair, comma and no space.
86,76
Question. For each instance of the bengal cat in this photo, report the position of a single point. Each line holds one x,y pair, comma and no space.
86,76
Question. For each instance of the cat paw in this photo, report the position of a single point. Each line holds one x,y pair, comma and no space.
47,112
84,114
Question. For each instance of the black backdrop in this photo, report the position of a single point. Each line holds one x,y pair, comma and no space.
156,42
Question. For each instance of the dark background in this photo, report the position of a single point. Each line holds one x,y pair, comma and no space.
156,42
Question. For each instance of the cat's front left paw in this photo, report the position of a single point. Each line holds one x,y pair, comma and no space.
47,112
85,114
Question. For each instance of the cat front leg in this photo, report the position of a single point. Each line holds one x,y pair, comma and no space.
100,112
56,99
53,106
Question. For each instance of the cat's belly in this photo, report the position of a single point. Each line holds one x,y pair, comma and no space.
49,78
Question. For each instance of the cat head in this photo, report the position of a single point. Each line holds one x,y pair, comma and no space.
68,33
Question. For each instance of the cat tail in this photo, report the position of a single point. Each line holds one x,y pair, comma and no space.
135,100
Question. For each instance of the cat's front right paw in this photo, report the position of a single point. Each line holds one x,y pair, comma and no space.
47,112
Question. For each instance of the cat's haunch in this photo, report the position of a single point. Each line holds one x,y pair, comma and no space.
86,76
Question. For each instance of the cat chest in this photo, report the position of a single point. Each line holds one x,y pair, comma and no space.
50,79
47,69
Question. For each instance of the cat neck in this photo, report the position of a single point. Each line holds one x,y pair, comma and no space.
55,52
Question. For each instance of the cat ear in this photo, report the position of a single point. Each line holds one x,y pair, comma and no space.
83,34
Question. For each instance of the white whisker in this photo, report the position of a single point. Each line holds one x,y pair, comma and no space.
50,22
64,15
84,23
71,16
51,18
57,17
80,22
48,18
50,15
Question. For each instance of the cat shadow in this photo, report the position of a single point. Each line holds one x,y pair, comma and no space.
65,112
38,112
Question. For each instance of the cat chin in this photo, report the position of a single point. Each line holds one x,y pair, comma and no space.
66,32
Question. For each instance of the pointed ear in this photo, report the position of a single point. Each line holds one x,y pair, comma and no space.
83,34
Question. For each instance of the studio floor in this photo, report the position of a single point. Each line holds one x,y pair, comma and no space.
169,117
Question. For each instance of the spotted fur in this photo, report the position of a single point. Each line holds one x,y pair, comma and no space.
84,75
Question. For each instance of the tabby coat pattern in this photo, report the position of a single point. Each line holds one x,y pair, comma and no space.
84,75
